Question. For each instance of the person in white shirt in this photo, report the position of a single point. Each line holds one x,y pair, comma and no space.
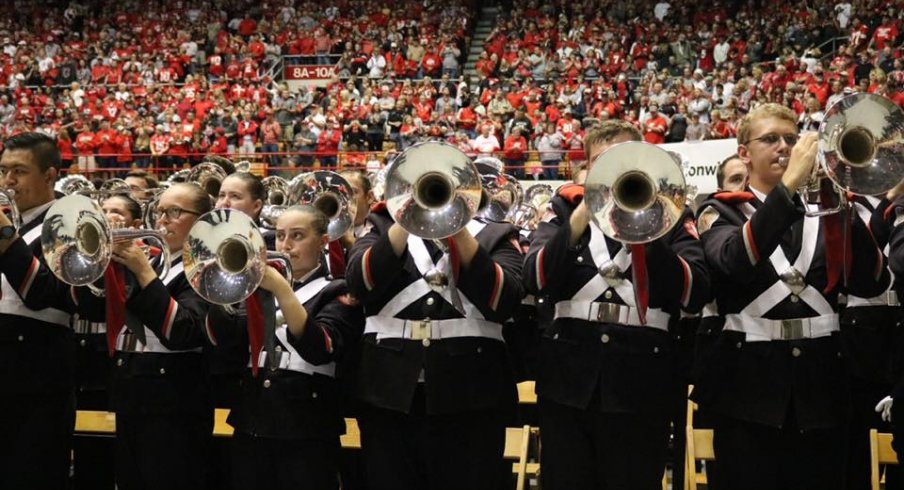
376,64
486,143
661,10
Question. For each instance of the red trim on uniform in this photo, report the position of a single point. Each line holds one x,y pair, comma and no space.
734,197
497,288
887,213
169,318
29,277
639,271
365,270
751,244
210,335
327,340
688,281
573,193
541,276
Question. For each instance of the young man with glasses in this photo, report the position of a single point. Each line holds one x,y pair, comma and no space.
775,382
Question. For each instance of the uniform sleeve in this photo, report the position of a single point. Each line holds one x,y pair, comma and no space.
372,260
895,220
737,249
176,318
28,273
550,251
676,263
331,330
222,328
492,281
879,225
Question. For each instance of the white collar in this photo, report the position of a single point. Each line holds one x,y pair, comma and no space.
307,276
759,195
33,213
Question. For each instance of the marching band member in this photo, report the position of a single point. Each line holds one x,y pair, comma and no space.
435,385
361,198
288,421
605,383
775,383
161,388
92,455
37,351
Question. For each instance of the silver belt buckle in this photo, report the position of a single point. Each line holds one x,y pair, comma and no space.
608,312
892,297
792,329
420,329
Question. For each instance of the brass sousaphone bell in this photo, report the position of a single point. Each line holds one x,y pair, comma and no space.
77,241
432,190
635,192
225,257
861,146
327,191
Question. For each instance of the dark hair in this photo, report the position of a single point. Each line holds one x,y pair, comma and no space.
132,205
253,182
141,174
720,172
200,199
43,149
361,176
319,221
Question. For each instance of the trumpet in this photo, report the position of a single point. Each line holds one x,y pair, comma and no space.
9,208
636,192
327,191
432,190
225,257
77,241
860,149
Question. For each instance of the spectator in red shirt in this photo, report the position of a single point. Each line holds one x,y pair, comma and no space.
247,27
85,144
106,146
328,145
124,142
655,127
160,147
247,134
64,143
270,133
514,152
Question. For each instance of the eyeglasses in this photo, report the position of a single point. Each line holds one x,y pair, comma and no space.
772,139
174,213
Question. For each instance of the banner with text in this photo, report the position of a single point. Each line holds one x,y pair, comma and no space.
309,75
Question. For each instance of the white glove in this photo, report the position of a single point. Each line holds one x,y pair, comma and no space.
884,407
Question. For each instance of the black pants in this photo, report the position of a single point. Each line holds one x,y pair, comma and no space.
433,452
35,440
162,451
591,450
754,456
864,397
277,464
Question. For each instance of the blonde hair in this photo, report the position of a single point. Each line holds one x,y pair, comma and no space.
765,111
608,130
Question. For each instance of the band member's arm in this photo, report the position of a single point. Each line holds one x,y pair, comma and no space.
736,250
676,264
176,316
879,225
223,328
29,275
331,329
373,259
895,220
491,279
550,256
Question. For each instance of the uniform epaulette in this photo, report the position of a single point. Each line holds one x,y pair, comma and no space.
572,193
734,197
378,207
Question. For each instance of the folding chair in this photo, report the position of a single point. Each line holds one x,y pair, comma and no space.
352,437
93,422
699,447
881,453
527,394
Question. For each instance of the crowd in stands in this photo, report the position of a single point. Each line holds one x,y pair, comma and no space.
162,83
